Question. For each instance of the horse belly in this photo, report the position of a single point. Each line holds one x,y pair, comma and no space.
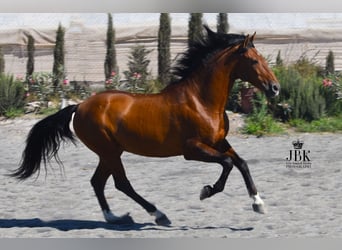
148,145
149,134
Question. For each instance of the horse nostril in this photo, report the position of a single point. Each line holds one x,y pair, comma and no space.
275,88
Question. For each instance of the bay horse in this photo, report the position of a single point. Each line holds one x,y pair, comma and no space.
186,118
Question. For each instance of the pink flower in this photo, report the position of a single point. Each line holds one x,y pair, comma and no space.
19,77
65,81
327,82
136,75
109,81
113,73
93,93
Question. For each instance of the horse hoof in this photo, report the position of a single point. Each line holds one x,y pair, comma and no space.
259,208
122,220
206,192
163,221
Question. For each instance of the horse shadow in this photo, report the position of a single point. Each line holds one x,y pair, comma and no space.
68,225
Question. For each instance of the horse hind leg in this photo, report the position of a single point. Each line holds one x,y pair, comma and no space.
123,185
98,181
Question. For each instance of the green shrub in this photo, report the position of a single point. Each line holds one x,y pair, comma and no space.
234,99
301,91
11,94
13,112
138,74
326,124
40,87
260,122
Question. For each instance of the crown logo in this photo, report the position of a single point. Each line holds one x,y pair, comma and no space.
297,144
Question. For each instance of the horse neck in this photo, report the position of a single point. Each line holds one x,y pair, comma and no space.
213,87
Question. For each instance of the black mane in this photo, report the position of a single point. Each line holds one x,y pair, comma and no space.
201,50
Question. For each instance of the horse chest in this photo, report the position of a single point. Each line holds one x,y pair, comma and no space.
211,128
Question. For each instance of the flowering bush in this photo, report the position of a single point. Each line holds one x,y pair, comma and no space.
327,82
113,81
135,82
132,83
333,81
39,87
332,90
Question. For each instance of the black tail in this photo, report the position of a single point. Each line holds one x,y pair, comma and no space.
43,142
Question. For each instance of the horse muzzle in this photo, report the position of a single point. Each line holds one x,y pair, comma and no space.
272,89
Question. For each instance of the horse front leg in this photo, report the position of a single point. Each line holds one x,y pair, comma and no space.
225,155
241,164
196,150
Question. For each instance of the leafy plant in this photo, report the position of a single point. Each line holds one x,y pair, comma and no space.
137,72
260,122
331,89
13,112
40,87
234,99
11,94
326,124
300,91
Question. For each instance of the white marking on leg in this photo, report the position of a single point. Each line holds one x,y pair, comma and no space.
258,204
257,200
160,218
109,216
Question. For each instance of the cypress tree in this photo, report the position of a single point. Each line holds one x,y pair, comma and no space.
279,61
164,37
110,64
58,64
30,55
329,65
195,27
222,23
2,61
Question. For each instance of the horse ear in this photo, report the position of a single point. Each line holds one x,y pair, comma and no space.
252,38
245,43
209,31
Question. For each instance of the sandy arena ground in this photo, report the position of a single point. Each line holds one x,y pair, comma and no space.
301,202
